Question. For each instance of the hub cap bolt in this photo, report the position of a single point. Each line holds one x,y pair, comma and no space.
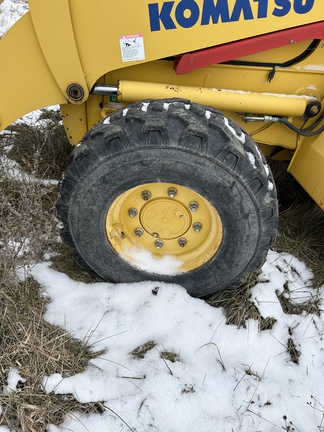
193,206
146,195
158,244
172,192
182,242
197,226
132,212
138,232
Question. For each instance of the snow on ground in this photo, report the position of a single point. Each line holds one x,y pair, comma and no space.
216,377
10,12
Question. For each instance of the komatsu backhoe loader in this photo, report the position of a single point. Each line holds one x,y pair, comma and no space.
174,107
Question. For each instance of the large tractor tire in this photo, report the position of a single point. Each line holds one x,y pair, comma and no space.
171,191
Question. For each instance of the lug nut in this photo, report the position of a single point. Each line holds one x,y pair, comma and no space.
197,226
146,195
182,242
158,244
132,212
172,192
138,232
193,206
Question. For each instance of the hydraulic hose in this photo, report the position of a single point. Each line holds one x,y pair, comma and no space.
300,131
272,119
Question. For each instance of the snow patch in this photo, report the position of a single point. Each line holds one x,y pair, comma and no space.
207,114
107,120
241,137
144,260
258,151
10,12
13,379
21,248
14,171
145,106
267,169
222,373
251,159
312,67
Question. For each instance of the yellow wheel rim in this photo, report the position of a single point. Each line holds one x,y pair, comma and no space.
164,219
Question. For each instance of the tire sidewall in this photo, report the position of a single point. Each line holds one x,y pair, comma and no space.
224,190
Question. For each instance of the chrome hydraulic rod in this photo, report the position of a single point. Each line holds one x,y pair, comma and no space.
104,89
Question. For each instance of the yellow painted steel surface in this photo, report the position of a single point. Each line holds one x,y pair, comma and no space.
307,166
58,44
96,40
225,100
164,219
26,81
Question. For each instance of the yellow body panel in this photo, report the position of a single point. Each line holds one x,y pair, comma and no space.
26,81
307,166
61,48
93,40
100,50
68,70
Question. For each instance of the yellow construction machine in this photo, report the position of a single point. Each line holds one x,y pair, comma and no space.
174,107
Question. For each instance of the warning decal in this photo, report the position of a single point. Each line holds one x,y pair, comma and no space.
132,47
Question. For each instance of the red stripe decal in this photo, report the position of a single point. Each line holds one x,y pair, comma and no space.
190,61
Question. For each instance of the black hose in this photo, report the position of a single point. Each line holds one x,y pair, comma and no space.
300,131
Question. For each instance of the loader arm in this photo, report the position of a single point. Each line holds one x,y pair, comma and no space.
60,48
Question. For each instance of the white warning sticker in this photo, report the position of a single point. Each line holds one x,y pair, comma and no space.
132,47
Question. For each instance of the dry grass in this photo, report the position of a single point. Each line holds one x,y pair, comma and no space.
140,352
237,305
301,223
36,349
301,233
46,139
64,262
29,344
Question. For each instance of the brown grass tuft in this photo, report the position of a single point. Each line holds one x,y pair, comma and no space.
142,350
64,262
46,139
36,349
301,222
237,305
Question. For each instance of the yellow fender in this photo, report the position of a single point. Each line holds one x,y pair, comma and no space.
307,166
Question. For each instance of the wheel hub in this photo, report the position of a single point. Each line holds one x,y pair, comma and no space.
166,219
